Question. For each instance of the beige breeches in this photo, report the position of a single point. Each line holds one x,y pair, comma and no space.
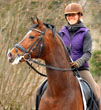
86,75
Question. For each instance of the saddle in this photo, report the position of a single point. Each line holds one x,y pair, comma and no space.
89,100
88,97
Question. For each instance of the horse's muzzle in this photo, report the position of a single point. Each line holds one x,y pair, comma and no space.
10,57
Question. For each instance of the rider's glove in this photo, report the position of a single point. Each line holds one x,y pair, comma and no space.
74,64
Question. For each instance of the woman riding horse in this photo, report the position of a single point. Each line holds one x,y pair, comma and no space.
63,90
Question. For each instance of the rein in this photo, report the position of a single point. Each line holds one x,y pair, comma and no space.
28,53
52,67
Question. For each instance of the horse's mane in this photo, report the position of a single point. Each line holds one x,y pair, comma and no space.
52,27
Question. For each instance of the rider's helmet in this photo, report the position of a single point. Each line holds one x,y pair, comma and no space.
73,8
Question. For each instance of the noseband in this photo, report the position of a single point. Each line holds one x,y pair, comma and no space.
28,52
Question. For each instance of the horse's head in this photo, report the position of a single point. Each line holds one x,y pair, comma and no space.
31,46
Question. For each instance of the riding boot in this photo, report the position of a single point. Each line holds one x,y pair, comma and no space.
98,104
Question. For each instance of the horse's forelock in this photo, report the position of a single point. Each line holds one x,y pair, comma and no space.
33,26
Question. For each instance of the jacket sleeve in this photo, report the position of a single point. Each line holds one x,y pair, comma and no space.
87,49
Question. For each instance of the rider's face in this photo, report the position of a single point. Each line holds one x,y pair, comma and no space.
72,18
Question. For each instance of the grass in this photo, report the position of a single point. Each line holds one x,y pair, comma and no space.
96,63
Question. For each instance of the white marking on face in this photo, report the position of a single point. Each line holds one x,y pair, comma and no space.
17,60
26,35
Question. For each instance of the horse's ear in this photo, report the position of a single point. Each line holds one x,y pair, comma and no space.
40,23
33,21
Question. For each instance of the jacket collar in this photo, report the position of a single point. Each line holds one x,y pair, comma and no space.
75,27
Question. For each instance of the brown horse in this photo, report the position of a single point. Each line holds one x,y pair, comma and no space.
63,91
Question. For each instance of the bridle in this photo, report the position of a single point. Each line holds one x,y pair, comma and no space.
39,40
35,44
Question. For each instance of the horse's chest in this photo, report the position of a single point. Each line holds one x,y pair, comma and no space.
66,101
53,104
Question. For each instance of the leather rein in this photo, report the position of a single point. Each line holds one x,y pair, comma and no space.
39,40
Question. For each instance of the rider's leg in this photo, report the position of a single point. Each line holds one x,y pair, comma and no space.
86,75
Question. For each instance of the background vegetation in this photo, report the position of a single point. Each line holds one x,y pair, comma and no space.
18,83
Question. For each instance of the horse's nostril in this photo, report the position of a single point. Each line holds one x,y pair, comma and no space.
10,55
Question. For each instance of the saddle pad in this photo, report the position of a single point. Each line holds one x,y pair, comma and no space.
85,91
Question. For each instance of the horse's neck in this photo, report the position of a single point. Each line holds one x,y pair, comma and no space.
58,80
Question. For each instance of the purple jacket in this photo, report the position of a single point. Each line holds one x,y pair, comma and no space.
75,43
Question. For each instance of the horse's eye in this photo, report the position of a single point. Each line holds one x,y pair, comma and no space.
31,37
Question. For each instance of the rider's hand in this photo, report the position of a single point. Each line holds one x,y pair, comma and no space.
74,64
